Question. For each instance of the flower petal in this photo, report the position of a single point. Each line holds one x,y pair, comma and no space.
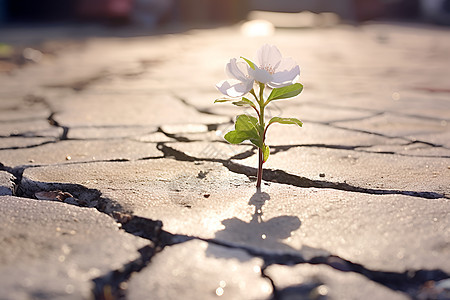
234,88
286,64
284,78
237,69
261,75
268,57
287,73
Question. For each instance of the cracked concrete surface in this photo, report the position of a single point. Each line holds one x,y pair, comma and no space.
140,195
53,250
7,186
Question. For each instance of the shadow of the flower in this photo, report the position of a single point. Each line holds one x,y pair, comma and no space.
264,235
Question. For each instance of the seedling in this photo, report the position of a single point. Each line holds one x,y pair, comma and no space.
272,73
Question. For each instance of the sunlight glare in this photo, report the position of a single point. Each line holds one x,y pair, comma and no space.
256,28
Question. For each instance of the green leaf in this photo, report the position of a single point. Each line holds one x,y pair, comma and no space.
266,153
285,92
246,128
247,123
243,102
220,100
236,137
248,101
285,121
249,62
257,142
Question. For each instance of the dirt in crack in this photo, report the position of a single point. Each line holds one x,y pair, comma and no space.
113,284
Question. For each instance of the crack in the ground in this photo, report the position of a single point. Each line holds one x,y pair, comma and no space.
374,111
275,291
112,285
282,148
283,177
244,155
199,110
50,119
81,84
411,141
270,175
400,154
409,282
28,146
356,148
17,173
53,122
183,139
355,119
333,125
174,136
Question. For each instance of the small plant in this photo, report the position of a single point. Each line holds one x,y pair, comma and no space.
273,72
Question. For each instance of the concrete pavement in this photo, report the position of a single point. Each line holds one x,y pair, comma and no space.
116,181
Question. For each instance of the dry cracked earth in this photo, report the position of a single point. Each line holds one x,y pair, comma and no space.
116,182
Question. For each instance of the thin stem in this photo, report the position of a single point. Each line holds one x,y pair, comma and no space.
260,169
254,95
257,112
261,122
257,101
261,94
265,130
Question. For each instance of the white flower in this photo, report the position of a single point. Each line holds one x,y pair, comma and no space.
241,82
273,69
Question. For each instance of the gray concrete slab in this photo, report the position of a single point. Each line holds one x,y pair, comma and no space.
323,281
312,133
208,201
364,170
19,110
197,270
35,128
142,110
7,186
174,184
213,150
400,126
416,149
109,132
54,250
71,151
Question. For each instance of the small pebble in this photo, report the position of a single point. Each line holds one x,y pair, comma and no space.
322,175
206,195
202,175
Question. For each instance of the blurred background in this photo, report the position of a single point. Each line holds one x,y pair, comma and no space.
26,24
210,12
